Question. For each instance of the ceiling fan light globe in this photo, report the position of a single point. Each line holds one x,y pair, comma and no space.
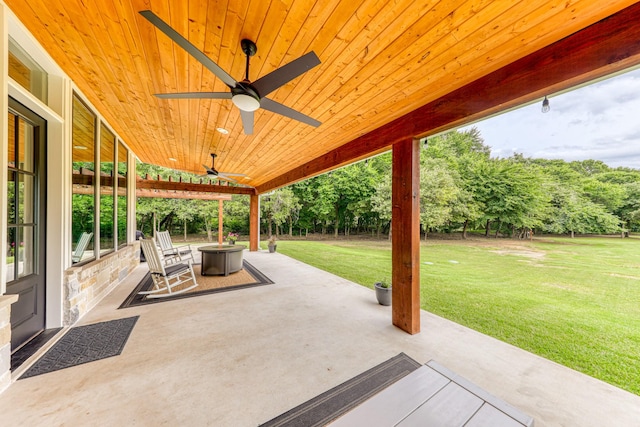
246,102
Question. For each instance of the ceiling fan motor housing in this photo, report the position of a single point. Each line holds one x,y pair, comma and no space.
245,97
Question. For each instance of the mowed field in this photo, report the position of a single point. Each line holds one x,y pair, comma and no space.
574,301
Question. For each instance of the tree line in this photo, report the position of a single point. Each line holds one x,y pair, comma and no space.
462,189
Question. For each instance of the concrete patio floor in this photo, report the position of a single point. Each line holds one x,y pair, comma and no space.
241,358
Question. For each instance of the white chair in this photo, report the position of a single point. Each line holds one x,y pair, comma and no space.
83,242
171,253
165,277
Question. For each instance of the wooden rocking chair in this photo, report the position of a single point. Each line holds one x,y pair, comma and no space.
170,252
165,277
83,242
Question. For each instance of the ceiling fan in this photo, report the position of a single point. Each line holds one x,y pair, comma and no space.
246,95
213,172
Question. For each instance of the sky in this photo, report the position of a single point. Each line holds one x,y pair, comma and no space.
600,121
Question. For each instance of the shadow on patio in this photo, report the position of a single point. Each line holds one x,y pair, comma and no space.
241,358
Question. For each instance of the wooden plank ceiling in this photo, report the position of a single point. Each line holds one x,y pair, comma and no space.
380,60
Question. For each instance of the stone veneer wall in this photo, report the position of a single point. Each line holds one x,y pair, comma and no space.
86,285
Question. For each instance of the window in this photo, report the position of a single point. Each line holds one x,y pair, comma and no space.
84,193
94,236
123,165
26,72
21,189
107,203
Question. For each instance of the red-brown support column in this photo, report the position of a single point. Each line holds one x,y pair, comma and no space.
254,222
220,231
405,240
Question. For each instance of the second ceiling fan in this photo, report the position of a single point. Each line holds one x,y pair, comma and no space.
246,95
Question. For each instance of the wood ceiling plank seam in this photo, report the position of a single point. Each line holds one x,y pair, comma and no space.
233,61
259,127
280,145
229,117
363,98
272,45
310,77
351,50
377,69
229,46
216,15
318,25
145,35
533,31
466,71
74,66
360,24
179,21
165,47
501,39
197,25
390,100
122,67
210,43
46,39
256,20
296,15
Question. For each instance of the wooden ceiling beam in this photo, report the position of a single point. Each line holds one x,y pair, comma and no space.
166,194
195,187
606,47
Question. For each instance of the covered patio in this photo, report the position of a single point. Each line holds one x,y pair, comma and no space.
241,358
82,77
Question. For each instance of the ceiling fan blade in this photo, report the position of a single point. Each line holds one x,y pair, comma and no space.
195,95
189,47
278,108
232,174
247,121
283,75
226,178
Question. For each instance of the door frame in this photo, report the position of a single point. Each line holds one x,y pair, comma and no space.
58,166
39,156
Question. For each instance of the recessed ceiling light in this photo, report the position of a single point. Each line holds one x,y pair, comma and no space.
172,159
222,131
80,147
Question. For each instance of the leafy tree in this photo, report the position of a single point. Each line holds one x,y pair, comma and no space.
279,206
438,193
381,202
608,194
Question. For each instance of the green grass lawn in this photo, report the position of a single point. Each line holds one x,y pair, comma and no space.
574,301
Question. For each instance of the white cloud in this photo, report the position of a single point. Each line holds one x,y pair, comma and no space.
598,122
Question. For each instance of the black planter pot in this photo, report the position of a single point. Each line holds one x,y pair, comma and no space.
383,294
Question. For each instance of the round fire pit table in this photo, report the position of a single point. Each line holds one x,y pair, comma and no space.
221,260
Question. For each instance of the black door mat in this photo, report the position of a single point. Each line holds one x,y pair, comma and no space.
84,344
21,355
339,400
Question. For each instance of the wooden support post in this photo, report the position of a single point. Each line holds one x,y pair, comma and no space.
220,232
405,241
254,222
